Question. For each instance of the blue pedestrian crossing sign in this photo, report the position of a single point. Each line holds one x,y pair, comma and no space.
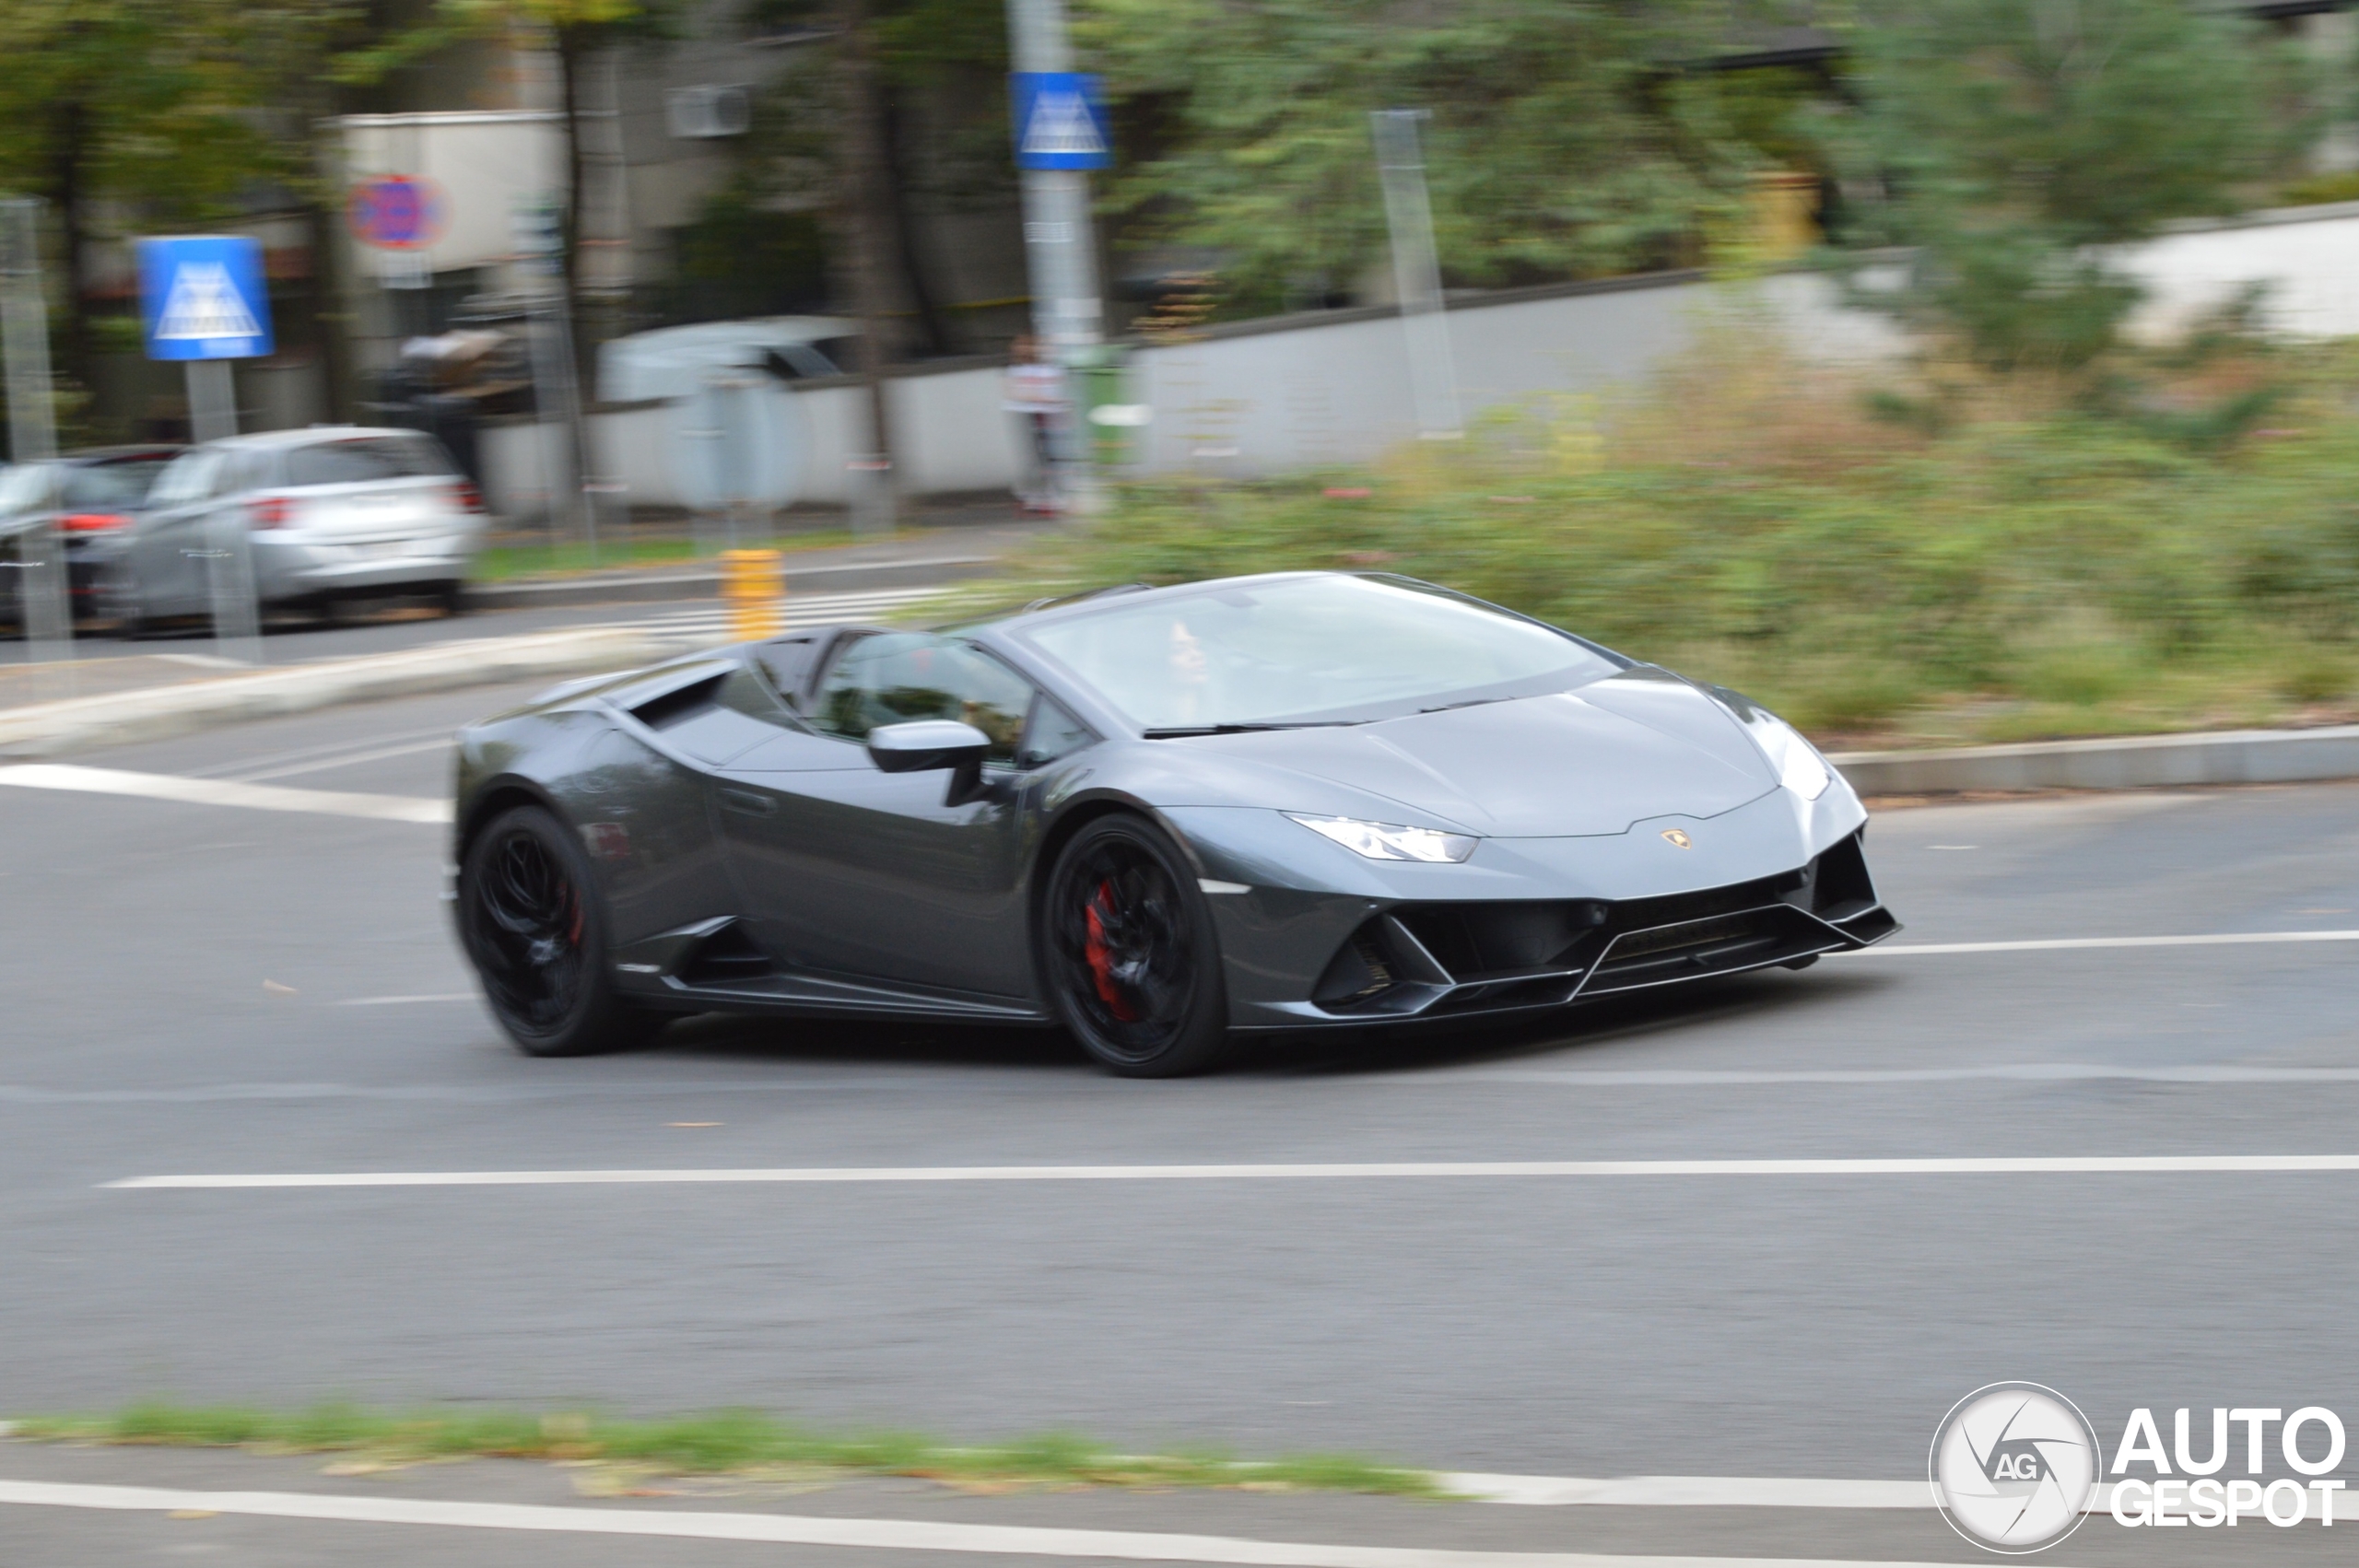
1060,121
202,297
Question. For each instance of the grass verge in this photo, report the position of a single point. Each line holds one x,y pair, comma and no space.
504,563
723,1443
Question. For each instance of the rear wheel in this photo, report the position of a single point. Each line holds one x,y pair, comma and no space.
1132,966
531,924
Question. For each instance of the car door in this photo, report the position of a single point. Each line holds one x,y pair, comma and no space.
850,871
170,542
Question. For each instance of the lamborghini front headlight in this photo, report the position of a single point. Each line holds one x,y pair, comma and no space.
1388,841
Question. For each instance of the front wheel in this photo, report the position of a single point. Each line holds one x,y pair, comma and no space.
530,919
1130,960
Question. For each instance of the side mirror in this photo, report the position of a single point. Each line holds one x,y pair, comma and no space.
923,746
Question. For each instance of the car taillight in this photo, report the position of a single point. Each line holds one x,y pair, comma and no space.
466,498
90,522
271,511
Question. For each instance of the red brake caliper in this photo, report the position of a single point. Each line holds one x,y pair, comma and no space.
1101,962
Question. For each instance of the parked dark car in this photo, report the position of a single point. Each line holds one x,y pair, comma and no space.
87,496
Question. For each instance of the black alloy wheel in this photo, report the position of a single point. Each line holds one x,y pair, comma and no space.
1132,966
529,915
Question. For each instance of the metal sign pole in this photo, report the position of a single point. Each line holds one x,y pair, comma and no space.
1416,272
42,588
1060,241
204,300
556,393
229,547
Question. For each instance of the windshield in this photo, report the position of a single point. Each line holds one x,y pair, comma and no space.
1308,648
112,486
24,488
360,459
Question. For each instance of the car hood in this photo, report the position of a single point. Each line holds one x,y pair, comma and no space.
1642,744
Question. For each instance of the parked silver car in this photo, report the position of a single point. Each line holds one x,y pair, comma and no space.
330,513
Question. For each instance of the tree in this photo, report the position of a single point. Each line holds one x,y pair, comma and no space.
144,103
1563,142
2021,141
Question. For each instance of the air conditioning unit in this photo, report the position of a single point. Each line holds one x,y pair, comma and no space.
701,113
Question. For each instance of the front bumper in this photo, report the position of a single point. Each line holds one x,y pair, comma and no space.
1323,938
1424,960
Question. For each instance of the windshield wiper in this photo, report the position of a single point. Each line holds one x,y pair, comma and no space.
1184,731
1470,702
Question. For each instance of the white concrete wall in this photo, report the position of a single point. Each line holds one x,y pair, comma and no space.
1335,391
2306,259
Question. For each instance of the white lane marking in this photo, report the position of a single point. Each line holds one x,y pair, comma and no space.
223,792
898,1535
2029,1072
238,765
352,759
2223,939
795,611
2038,1164
401,1001
983,1080
1687,1492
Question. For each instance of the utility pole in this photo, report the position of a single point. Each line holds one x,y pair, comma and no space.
1416,272
45,603
1060,241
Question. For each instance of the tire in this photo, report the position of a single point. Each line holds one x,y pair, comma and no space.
450,598
532,925
1129,953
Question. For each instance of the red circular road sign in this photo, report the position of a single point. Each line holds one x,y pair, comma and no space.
396,212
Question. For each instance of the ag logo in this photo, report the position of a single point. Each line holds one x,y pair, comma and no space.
2012,1466
1679,840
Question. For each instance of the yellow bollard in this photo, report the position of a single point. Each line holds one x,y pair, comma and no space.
753,584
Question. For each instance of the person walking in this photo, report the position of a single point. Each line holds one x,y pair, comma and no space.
1035,392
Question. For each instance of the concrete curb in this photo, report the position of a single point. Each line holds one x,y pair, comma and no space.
2234,756
834,576
127,718
2133,762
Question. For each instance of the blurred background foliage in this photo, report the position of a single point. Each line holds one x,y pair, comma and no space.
1560,143
2032,567
2014,143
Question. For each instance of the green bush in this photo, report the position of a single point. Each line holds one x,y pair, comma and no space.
1750,520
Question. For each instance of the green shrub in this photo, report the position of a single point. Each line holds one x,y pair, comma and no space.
1750,520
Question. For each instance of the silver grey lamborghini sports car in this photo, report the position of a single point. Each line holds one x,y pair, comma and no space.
1166,819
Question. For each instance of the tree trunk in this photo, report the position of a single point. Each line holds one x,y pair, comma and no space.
66,182
893,128
330,322
570,52
862,174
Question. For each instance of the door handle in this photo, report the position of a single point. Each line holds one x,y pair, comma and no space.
747,802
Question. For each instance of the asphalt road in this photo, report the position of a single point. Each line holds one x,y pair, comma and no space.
202,989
